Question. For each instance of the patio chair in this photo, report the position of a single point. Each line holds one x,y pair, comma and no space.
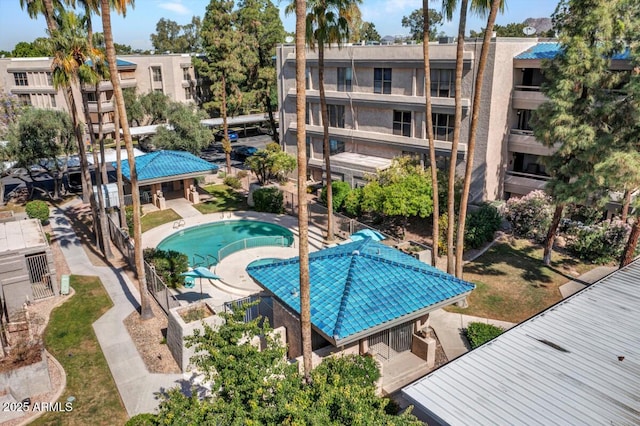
189,282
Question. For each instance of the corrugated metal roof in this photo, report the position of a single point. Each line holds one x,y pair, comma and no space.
163,163
578,362
360,285
550,50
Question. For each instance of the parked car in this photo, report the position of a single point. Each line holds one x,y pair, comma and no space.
233,135
244,151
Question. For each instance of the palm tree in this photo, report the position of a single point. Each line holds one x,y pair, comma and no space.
430,135
480,7
303,224
48,8
328,21
449,6
121,7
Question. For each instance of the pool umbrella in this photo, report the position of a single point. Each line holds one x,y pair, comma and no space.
367,233
200,272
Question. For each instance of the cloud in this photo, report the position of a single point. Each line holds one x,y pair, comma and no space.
175,7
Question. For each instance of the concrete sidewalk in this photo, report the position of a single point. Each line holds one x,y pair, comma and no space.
137,387
449,326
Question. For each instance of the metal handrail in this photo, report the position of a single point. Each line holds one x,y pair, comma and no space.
265,241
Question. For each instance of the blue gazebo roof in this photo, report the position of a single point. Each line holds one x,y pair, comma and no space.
550,50
163,164
358,287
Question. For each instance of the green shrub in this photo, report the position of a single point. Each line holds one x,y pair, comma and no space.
268,200
443,222
233,182
340,190
128,214
144,419
530,216
587,215
478,333
352,202
599,243
169,264
481,225
38,210
242,174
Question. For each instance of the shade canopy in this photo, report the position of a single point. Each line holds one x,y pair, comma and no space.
200,272
367,233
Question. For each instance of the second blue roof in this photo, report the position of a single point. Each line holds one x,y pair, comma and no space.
358,286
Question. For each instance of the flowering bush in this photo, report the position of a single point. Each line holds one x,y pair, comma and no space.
530,215
599,243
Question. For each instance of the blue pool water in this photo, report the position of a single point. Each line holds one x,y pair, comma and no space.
202,243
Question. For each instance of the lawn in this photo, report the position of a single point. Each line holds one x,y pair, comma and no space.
512,284
153,219
224,198
70,338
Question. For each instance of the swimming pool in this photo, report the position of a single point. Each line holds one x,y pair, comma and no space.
208,244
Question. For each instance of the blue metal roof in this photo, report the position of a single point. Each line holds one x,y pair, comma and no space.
160,164
360,285
119,63
551,50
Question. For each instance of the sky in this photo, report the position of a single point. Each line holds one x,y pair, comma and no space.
140,22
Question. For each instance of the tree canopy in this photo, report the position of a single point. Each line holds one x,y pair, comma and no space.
271,163
175,38
186,132
415,23
254,386
37,48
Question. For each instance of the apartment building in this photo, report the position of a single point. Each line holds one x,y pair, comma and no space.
31,80
376,106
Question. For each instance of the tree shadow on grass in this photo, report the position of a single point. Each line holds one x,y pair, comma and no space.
503,255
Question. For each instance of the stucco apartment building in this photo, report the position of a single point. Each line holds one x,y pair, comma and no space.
31,80
376,105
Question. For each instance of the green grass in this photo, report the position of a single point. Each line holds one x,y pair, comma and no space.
69,337
512,284
153,219
224,198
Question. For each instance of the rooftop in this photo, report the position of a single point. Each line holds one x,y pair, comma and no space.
20,235
550,50
574,363
361,287
162,164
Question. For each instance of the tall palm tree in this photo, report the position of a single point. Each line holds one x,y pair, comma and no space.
121,7
303,219
328,21
429,118
480,7
449,6
48,8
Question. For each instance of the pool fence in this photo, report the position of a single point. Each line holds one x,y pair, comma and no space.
156,287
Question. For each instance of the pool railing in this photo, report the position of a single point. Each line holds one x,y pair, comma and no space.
247,243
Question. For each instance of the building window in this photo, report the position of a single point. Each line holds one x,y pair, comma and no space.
188,93
53,101
335,146
402,123
20,78
336,115
443,83
382,80
443,127
91,96
307,78
524,118
186,74
344,79
50,79
307,113
157,74
24,99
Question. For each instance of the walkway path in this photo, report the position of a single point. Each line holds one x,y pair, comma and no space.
137,387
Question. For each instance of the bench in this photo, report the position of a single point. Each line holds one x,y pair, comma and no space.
64,285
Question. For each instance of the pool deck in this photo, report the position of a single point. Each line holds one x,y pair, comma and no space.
235,283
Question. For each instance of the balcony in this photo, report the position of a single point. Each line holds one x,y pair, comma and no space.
524,141
105,106
520,183
527,97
